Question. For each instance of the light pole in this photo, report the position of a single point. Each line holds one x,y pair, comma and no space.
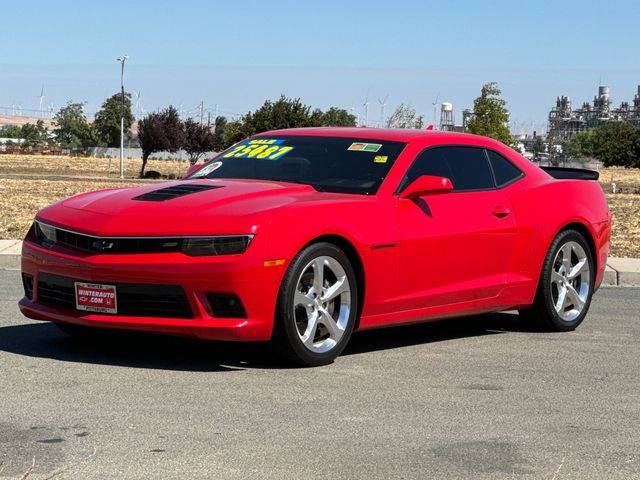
122,60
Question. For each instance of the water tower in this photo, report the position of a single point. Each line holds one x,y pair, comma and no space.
446,116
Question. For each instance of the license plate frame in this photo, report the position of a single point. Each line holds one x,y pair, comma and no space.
96,297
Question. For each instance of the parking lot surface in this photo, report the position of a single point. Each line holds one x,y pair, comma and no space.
481,397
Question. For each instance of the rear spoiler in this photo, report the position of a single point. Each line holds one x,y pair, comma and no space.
571,173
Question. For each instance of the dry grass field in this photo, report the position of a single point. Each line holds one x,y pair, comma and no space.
20,199
86,166
22,195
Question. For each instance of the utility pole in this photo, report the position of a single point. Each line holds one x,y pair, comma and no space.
122,60
201,112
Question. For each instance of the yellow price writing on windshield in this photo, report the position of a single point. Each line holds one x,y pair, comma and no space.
268,149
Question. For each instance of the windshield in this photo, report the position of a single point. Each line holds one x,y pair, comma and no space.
332,164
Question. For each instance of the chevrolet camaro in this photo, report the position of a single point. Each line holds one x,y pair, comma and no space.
302,236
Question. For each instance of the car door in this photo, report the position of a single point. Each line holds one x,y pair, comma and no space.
454,247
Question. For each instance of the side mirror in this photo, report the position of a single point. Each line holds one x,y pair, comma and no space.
425,185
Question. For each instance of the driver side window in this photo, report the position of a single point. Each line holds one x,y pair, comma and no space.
466,167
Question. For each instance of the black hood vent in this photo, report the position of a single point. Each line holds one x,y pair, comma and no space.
174,191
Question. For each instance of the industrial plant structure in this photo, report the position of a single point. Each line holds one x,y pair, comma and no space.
565,122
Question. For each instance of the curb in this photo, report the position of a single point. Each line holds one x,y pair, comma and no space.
620,272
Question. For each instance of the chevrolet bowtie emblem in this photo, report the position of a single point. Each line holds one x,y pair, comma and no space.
102,245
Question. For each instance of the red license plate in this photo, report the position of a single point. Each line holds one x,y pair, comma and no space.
94,297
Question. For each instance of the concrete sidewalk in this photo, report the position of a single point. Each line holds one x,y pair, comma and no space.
624,272
10,253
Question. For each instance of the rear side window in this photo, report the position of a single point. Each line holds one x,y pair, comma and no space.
466,167
504,171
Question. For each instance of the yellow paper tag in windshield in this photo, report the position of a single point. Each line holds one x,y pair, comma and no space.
380,159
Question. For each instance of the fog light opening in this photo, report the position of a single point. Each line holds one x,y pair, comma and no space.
226,305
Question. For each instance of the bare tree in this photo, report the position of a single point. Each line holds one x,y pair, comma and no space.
405,116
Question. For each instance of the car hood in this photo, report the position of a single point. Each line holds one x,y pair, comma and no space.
218,206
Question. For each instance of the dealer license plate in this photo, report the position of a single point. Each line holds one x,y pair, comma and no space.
95,297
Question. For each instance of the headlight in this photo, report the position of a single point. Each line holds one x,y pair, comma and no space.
226,245
45,232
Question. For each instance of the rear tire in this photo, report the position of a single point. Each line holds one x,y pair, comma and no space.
566,285
317,306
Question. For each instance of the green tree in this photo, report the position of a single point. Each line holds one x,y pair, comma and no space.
233,132
283,113
72,129
405,116
337,117
11,131
490,115
34,135
580,145
160,132
198,139
107,121
220,127
617,144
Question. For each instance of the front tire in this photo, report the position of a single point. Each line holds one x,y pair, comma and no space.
566,285
317,306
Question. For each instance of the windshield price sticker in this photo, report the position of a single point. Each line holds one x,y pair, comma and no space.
364,147
262,148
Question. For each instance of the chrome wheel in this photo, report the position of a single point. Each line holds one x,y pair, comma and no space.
570,281
322,304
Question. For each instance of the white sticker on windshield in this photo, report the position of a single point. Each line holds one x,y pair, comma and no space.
207,169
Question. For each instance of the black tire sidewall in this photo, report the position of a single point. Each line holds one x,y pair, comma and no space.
285,326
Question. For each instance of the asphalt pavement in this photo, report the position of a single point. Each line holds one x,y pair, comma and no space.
475,398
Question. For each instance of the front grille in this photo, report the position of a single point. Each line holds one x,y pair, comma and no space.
134,300
107,245
175,191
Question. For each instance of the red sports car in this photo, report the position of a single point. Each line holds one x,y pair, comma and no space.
302,236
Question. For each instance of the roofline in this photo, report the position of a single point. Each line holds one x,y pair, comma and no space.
372,133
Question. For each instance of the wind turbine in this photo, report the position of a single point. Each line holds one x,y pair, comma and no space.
383,103
41,104
366,110
434,104
138,104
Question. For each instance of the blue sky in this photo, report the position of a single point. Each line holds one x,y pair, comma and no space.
237,54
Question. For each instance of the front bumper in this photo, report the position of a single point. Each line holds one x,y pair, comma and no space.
243,275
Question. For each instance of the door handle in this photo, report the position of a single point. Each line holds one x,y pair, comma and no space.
500,211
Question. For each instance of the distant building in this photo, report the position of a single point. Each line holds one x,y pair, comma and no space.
565,122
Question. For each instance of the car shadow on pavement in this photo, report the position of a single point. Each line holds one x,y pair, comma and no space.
142,350
438,331
133,349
